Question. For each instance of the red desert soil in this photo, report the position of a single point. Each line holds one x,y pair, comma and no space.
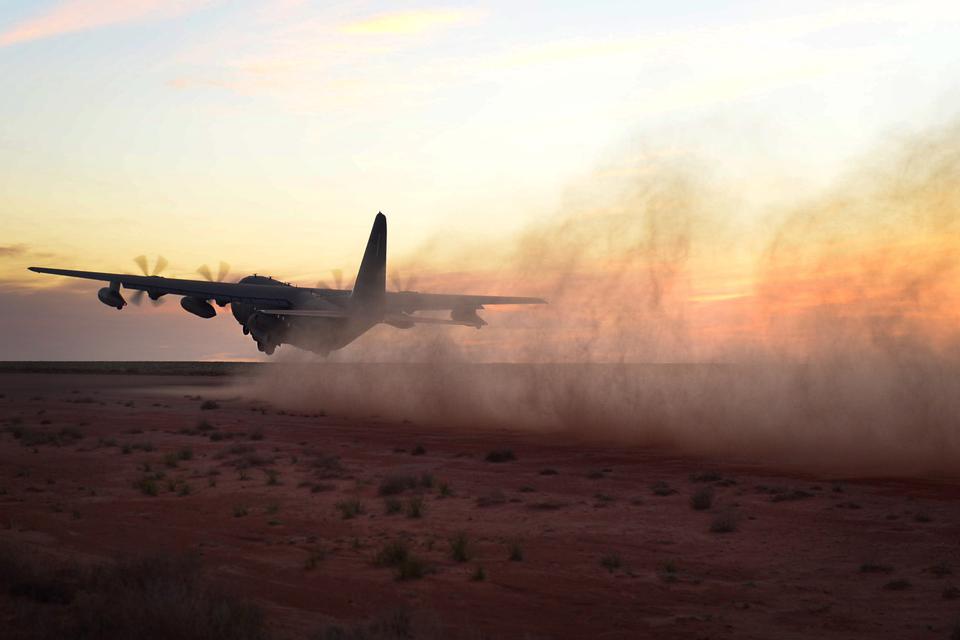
603,555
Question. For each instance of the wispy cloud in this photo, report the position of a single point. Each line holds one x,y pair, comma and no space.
69,16
12,250
411,22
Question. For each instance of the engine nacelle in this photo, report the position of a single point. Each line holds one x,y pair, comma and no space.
468,315
111,297
198,307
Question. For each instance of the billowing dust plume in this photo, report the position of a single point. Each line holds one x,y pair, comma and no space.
825,336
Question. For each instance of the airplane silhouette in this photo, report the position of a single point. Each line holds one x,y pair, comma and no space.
316,319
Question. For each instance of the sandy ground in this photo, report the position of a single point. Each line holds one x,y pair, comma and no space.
603,555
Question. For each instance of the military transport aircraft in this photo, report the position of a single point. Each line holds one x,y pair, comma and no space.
315,319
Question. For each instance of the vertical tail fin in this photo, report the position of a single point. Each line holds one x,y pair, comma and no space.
372,278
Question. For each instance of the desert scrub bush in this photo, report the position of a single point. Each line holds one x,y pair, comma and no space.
427,481
147,485
208,405
460,547
478,575
411,568
240,511
415,507
396,554
349,508
515,552
183,489
897,585
548,472
668,572
495,497
273,477
790,495
257,434
327,466
661,488
392,505
392,553
314,559
500,455
418,450
724,522
150,598
444,489
396,484
272,509
702,499
611,562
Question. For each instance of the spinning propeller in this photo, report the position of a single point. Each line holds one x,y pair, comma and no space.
158,266
222,273
399,285
337,280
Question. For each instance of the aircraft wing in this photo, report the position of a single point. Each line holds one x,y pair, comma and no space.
220,291
414,301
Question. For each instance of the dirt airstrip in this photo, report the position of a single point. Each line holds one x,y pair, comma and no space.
507,535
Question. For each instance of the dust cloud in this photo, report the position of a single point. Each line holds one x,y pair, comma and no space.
825,337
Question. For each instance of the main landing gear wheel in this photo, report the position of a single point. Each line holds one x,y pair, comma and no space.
269,349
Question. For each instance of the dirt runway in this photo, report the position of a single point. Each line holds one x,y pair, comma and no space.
562,538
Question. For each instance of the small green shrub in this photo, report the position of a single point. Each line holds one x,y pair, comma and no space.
897,585
702,499
500,455
415,507
147,486
392,553
392,505
460,547
349,508
411,568
515,552
611,562
478,575
725,522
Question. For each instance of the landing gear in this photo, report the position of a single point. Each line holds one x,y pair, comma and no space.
268,348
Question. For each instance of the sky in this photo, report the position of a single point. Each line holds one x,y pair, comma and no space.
268,134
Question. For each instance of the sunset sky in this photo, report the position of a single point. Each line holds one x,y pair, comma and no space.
268,134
